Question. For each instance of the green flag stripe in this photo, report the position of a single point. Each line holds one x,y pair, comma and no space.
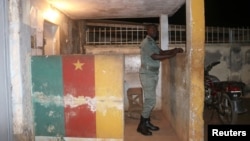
47,95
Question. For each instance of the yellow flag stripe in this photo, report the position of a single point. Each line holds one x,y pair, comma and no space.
109,96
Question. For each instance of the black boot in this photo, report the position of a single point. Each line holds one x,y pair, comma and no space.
142,128
151,126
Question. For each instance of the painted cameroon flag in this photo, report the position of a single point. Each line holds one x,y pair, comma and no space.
78,96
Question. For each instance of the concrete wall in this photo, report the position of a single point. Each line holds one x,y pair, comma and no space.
218,52
235,62
26,19
53,33
19,51
132,62
175,97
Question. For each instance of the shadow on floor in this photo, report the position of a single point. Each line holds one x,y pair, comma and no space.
166,132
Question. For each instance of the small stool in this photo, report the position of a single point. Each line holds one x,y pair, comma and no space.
135,99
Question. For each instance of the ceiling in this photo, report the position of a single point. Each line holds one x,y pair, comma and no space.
111,9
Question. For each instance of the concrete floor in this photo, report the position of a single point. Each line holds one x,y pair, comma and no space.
166,132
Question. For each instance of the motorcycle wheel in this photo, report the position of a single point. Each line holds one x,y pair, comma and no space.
226,112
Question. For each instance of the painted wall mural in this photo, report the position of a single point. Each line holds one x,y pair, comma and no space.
78,96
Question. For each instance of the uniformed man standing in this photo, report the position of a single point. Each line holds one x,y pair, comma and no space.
151,55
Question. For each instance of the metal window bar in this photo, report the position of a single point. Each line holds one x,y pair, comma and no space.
94,39
115,38
247,30
133,34
175,34
137,35
238,35
99,36
126,35
243,34
87,35
105,36
110,36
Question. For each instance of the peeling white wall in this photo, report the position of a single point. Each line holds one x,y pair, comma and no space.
232,67
20,30
19,43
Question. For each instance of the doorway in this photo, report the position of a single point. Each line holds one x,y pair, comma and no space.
51,39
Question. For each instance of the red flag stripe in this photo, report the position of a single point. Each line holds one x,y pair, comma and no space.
79,94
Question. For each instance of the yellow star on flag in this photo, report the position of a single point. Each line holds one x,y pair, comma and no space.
78,65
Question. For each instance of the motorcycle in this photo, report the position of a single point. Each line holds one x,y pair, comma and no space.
224,97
